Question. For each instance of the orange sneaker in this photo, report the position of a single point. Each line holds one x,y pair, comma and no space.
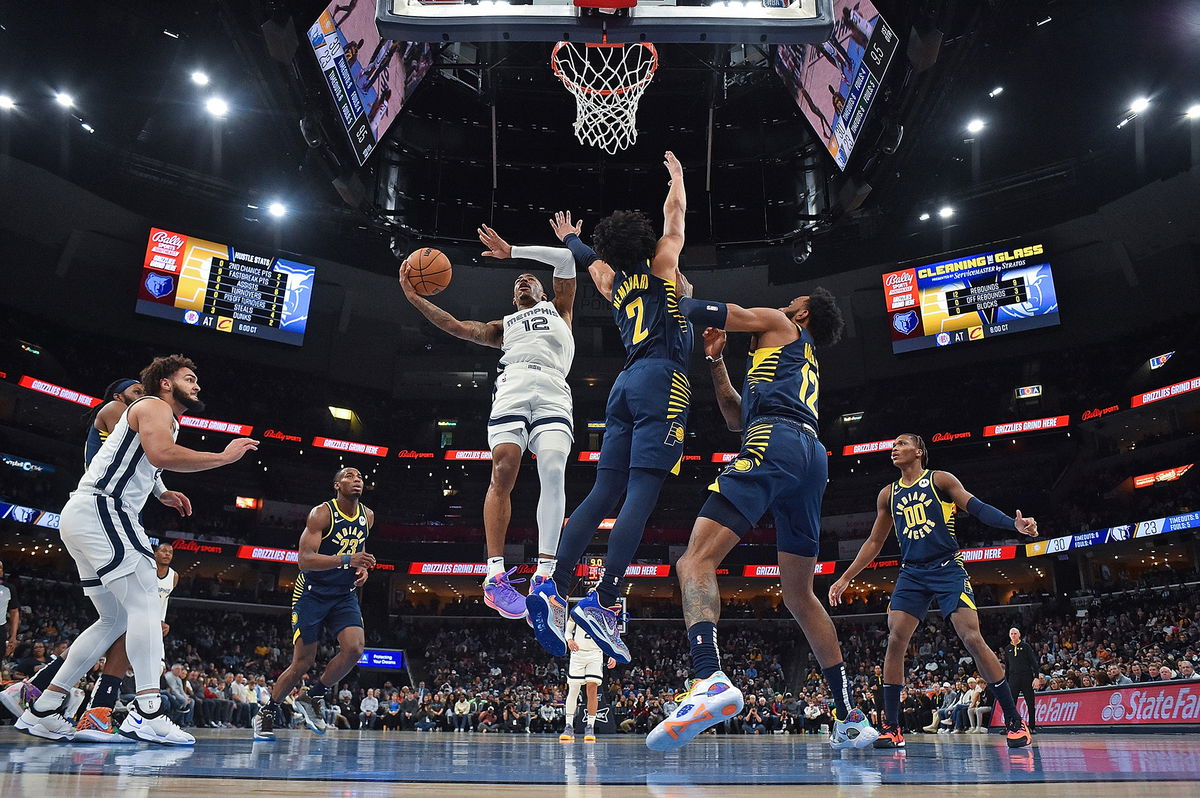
889,737
96,726
1019,736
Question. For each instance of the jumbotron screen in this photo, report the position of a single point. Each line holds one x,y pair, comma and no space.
225,288
971,296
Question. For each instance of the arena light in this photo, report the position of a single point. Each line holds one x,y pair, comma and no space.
1193,112
996,92
87,127
199,78
172,34
64,99
924,217
975,126
277,209
7,103
1139,105
1044,21
216,106
341,413
946,212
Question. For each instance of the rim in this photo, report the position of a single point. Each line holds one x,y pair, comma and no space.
575,87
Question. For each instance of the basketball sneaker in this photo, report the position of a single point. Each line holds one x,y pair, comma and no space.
534,581
602,623
49,725
703,705
568,735
548,615
853,732
889,737
313,717
263,724
17,696
499,594
154,728
589,733
96,726
1018,734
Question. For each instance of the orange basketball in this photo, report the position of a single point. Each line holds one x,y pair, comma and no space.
430,272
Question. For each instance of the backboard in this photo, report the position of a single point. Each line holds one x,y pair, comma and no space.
658,21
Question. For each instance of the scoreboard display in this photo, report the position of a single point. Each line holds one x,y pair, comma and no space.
224,288
970,297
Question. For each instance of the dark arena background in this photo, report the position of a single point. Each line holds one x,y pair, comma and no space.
1002,198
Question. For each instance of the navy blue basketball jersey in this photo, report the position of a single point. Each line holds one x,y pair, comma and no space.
646,309
345,535
95,439
782,381
924,521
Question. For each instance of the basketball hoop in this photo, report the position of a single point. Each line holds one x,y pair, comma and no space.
607,81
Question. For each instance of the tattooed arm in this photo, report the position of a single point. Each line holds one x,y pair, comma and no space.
490,334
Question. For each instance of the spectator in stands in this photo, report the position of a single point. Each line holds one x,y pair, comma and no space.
1165,673
1186,670
1117,677
487,720
392,718
948,699
368,710
463,714
981,708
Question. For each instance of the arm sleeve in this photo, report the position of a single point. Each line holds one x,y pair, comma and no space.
561,259
990,515
704,312
584,255
160,487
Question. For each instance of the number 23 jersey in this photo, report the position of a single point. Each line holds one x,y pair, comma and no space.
346,535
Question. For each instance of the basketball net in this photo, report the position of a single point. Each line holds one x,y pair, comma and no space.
607,81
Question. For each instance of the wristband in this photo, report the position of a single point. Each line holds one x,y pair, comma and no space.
716,359
345,560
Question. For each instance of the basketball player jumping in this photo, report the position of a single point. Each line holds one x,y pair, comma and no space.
531,402
782,468
585,669
647,410
101,530
921,505
333,564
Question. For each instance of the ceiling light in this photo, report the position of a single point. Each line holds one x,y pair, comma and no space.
1044,21
342,413
199,78
996,92
1191,113
924,217
64,99
1139,105
7,103
87,127
277,209
216,106
170,33
975,125
946,212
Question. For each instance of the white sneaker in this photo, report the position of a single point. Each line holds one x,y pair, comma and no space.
705,704
310,713
855,731
50,725
154,728
13,698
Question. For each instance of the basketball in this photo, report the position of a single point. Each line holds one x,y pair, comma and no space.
431,271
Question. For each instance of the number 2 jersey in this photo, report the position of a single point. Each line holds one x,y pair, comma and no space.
924,521
646,310
345,535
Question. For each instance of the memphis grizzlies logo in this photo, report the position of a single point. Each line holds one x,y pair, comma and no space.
905,323
1041,296
159,285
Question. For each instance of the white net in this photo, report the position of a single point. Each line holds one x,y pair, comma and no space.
608,81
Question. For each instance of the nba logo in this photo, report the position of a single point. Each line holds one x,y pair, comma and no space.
943,339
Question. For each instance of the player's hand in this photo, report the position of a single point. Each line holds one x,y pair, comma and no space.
714,342
612,663
176,500
674,167
361,559
237,448
9,647
361,579
166,627
1026,526
562,226
572,645
836,590
497,247
406,280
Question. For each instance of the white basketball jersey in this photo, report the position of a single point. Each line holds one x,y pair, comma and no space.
120,469
165,585
581,637
538,335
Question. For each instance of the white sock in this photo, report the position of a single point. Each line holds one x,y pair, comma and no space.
591,720
545,567
49,701
149,703
495,566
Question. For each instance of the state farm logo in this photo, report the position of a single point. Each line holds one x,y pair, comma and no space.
167,239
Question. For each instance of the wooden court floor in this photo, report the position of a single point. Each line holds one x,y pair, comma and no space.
228,764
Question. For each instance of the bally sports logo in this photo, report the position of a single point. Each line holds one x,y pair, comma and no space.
172,240
901,289
164,250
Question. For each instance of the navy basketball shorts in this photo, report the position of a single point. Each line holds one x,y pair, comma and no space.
781,468
944,580
312,611
646,417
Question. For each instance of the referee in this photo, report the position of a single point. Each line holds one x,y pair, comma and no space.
10,615
1021,666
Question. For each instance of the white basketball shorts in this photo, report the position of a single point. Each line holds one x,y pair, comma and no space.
528,400
104,537
586,666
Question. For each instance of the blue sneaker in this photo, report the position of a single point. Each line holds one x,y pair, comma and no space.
547,614
601,623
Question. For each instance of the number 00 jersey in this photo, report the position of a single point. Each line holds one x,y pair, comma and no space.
646,310
538,335
782,381
924,521
344,536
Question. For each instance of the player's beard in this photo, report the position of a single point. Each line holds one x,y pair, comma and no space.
189,404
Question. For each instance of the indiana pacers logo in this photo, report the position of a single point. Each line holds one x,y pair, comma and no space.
741,464
675,434
913,507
